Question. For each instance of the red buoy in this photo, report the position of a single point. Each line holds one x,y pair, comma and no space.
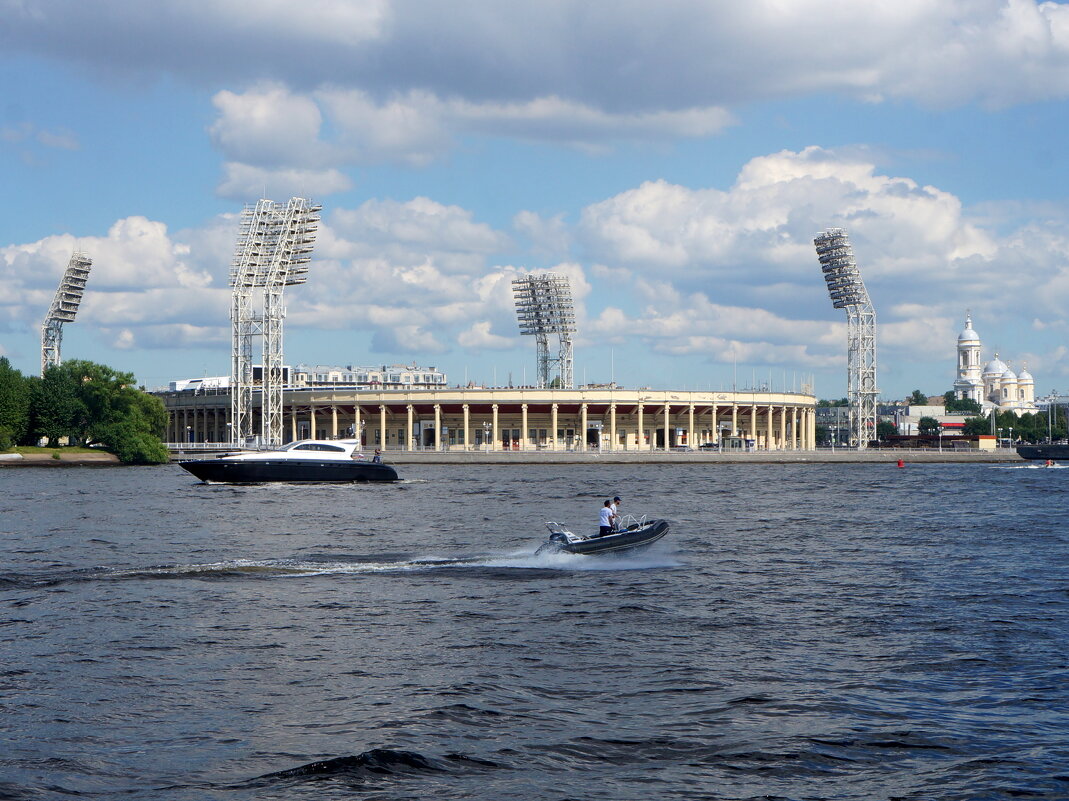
901,463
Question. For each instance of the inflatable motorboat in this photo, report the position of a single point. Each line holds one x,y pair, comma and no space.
634,533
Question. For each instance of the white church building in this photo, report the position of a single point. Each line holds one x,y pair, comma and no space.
994,384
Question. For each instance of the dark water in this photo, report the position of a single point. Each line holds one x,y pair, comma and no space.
804,632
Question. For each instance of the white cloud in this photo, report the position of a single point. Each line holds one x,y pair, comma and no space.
480,337
271,126
242,181
627,58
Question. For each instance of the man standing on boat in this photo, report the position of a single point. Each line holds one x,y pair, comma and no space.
615,514
605,519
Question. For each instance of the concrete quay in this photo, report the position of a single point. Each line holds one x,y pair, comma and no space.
821,456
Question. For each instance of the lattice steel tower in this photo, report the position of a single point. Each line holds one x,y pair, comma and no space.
847,291
63,309
544,307
273,250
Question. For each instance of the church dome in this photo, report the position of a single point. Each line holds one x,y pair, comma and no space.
995,367
1008,376
968,335
1025,377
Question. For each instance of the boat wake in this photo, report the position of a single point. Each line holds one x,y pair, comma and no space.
1039,466
652,558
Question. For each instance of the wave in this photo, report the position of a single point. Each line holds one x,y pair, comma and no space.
373,765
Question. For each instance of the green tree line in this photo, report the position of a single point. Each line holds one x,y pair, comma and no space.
1028,426
86,403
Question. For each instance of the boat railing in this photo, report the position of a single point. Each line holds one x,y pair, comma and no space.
629,522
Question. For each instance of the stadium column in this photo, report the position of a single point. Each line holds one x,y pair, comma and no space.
523,427
734,419
690,426
333,421
612,426
467,426
382,426
437,426
493,431
293,423
714,426
753,423
356,424
408,432
582,427
667,420
770,437
639,441
553,427
312,422
794,428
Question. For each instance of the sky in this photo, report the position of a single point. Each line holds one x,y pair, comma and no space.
673,159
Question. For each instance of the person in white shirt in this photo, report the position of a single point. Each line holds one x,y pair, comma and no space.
615,515
605,519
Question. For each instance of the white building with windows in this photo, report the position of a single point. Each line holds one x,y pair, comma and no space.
394,376
993,385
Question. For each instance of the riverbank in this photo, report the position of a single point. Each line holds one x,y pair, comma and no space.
820,456
57,457
699,457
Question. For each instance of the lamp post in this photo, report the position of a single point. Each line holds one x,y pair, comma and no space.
486,436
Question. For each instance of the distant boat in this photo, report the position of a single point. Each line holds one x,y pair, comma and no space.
307,460
1044,452
636,534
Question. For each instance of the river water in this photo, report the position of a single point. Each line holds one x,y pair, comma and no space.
804,632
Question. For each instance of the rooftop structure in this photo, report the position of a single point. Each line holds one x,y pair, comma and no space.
394,376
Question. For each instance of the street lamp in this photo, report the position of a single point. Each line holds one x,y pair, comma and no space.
486,436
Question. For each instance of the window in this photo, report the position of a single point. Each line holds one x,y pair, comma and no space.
318,446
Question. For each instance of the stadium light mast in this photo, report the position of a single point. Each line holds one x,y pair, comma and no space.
273,250
544,307
847,291
63,309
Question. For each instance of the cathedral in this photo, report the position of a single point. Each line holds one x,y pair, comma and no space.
994,384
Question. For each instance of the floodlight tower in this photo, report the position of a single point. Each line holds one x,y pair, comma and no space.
544,307
294,234
273,250
847,291
64,308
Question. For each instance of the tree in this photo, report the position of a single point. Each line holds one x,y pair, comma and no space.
928,426
918,398
57,410
15,397
822,435
885,429
823,404
977,425
95,404
960,405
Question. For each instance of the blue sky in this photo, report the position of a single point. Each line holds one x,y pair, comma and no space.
675,160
